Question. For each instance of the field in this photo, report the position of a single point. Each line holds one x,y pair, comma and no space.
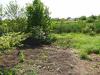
83,43
33,43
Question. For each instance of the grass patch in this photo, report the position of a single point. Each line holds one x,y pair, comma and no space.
83,43
7,72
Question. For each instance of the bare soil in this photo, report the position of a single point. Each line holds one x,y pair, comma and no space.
49,60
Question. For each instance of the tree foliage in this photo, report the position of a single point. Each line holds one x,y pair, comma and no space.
1,14
82,18
15,19
38,19
13,11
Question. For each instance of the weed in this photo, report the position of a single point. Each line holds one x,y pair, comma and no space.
7,72
21,56
83,55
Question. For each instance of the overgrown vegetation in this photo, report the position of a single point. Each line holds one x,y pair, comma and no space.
11,40
79,25
33,25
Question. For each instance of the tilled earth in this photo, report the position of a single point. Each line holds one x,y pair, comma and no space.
49,60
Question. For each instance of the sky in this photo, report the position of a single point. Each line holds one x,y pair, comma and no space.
67,8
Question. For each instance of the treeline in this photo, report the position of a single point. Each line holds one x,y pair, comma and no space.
92,17
82,24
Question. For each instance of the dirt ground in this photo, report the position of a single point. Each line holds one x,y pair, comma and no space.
49,60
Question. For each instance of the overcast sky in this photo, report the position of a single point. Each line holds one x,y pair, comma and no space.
67,8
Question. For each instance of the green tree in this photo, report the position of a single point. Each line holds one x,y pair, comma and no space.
15,18
39,21
93,17
13,11
1,14
82,18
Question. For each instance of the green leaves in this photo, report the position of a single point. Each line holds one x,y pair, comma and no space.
21,56
11,40
7,72
38,20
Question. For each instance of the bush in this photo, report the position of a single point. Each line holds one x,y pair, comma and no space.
89,28
10,40
18,25
97,27
90,20
83,55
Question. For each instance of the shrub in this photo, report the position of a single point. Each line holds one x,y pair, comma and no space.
18,25
10,40
97,25
83,55
89,28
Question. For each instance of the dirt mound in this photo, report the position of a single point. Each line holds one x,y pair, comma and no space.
52,61
56,61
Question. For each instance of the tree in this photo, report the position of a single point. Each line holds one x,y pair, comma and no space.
93,17
38,19
12,10
82,18
15,18
1,14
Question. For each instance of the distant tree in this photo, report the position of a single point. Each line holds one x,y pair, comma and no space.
68,18
15,19
13,11
98,17
76,19
82,18
1,14
90,20
93,17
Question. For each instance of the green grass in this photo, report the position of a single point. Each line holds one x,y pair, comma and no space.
7,71
83,43
67,27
